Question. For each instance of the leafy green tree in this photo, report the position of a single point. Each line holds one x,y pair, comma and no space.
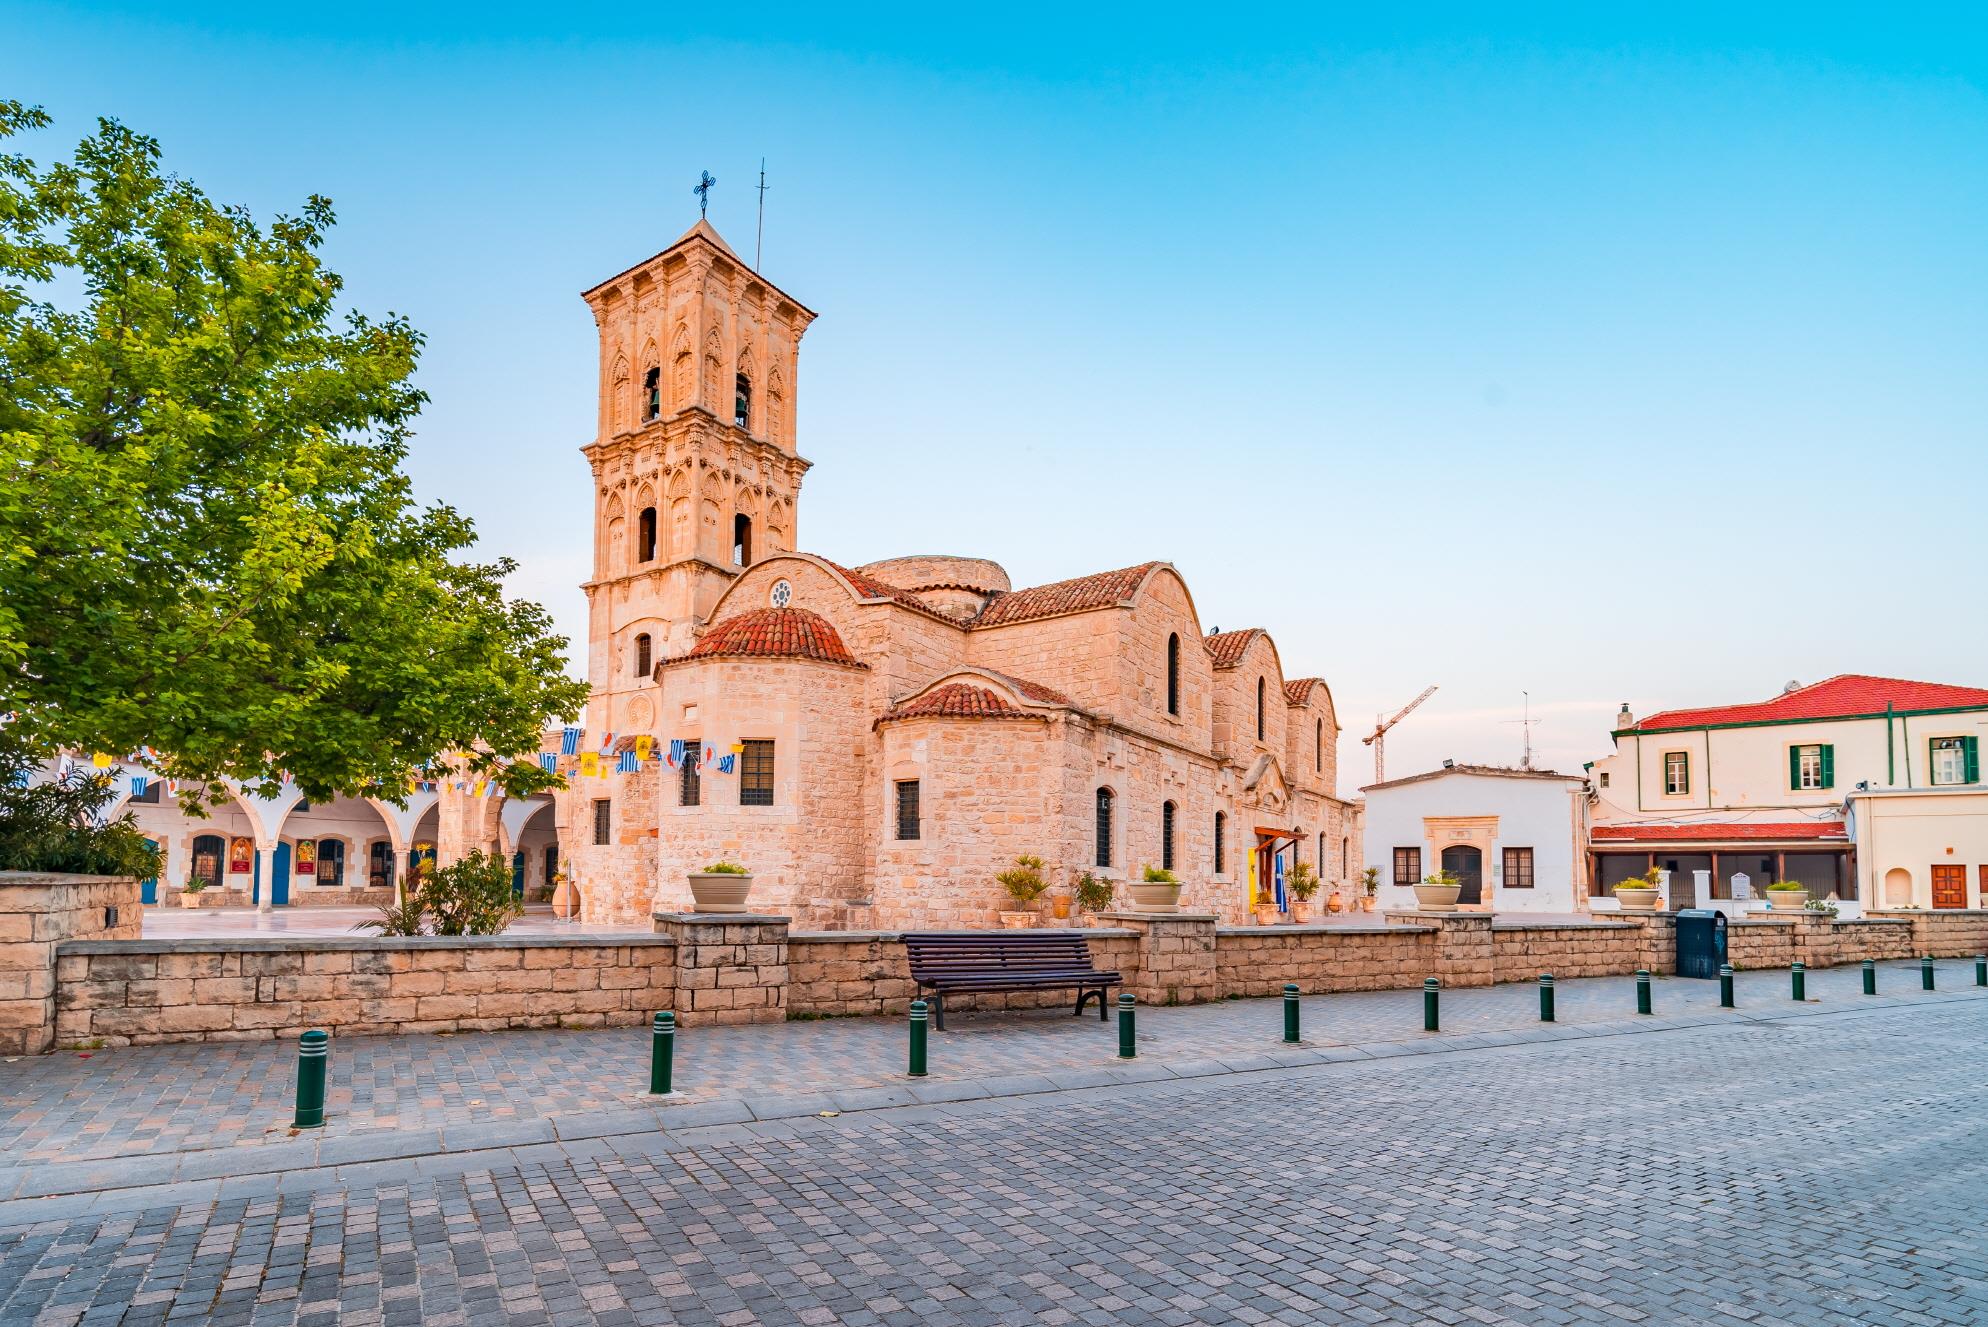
207,543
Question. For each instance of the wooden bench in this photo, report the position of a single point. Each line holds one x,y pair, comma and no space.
975,961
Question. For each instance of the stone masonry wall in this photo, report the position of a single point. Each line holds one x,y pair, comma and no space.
1572,949
135,992
38,911
834,974
1259,960
1955,933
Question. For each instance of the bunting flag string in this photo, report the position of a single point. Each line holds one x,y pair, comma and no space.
548,762
139,783
607,744
725,763
644,744
675,758
569,740
590,765
626,763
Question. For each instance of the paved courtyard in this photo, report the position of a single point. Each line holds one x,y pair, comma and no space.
1810,1164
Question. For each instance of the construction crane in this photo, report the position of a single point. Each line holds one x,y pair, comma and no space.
1377,739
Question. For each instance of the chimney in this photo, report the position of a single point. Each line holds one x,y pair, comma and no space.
1623,718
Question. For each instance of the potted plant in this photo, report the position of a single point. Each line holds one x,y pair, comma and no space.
1640,894
1370,881
1059,905
1093,896
189,893
1787,896
563,894
1301,883
1438,892
720,887
1024,884
1156,890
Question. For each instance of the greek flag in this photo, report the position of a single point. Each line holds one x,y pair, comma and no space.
139,783
549,762
1277,882
725,763
627,763
569,741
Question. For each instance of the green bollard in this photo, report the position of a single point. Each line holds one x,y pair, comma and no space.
1981,969
1430,986
1291,1011
1642,990
662,1053
1127,1033
1926,972
1726,986
1546,997
313,1059
1870,977
918,1017
1798,982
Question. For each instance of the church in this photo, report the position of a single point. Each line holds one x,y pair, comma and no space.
874,743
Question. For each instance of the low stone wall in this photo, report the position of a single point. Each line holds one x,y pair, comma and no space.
833,974
1521,952
1260,960
1761,944
1942,932
38,911
138,991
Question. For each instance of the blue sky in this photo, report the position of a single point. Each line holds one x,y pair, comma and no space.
1610,353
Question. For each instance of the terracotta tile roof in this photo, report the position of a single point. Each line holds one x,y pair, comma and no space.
774,633
1489,771
1851,695
1298,691
1101,590
958,700
1033,690
1227,647
1713,832
869,587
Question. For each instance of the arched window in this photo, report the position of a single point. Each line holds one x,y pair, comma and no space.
742,401
652,394
1345,856
379,864
1321,852
642,663
645,535
1173,674
742,540
208,852
1259,709
1221,842
1318,748
1166,836
331,862
1104,826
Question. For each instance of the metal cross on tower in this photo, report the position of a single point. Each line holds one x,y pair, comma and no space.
703,191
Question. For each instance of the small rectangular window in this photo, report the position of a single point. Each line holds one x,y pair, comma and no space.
1407,866
602,824
756,774
1677,773
1604,778
1518,868
1811,768
689,787
907,808
1954,760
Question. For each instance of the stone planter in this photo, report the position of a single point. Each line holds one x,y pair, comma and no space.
1301,911
190,898
1267,915
1638,900
1059,907
717,891
1437,898
1368,903
1787,900
1152,898
1013,921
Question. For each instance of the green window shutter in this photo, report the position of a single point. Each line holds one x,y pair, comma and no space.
1794,767
1828,765
1970,751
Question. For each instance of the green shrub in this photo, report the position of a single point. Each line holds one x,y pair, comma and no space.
1023,880
726,868
1443,878
471,896
1093,894
1301,881
1159,875
60,825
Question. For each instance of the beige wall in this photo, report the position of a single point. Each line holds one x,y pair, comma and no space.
1912,833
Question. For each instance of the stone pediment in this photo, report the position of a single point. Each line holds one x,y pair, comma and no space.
1264,784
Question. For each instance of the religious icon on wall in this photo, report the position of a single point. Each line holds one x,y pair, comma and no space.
307,856
241,856
424,860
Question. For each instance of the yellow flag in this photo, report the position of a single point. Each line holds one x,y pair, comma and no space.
1252,880
101,760
590,765
643,745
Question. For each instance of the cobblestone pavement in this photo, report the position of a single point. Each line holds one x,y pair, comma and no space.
155,1100
1802,1171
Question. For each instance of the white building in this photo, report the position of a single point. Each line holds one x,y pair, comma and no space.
1515,837
1868,788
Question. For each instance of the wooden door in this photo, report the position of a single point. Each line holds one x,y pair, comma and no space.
1950,886
1467,864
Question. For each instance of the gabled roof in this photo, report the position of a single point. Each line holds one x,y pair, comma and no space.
1848,696
869,587
1299,690
1742,831
960,700
1492,771
1228,647
1102,589
773,633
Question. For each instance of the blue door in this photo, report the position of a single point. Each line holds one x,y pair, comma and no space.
150,887
517,875
279,879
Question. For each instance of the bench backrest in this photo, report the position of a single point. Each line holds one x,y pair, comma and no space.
950,953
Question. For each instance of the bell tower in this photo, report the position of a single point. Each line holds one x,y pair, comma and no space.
695,469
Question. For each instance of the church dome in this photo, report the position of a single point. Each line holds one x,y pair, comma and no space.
958,587
774,633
